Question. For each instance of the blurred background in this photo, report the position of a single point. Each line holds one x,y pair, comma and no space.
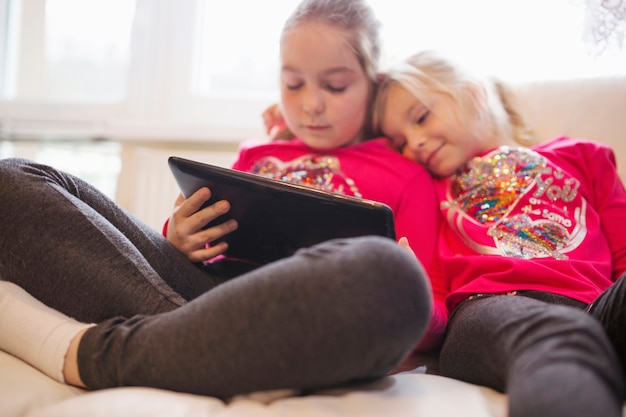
107,89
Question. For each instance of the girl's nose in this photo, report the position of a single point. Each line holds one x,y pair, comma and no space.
312,101
415,141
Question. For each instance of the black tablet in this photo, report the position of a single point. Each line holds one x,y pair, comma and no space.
276,218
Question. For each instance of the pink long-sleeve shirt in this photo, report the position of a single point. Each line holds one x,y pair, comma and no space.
551,218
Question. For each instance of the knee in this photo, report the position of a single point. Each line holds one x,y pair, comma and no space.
18,176
13,170
8,165
568,335
381,264
391,280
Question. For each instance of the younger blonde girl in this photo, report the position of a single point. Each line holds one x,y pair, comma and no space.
532,247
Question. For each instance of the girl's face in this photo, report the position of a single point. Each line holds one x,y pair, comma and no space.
324,90
430,133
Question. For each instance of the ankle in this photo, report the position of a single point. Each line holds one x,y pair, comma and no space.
71,373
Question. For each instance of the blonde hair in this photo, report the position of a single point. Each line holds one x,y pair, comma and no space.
357,20
488,103
354,17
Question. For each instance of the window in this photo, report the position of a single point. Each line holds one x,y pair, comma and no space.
205,69
518,40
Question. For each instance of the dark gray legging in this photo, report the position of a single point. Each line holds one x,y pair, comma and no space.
552,360
341,311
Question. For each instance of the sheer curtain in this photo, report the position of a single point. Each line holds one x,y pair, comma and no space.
205,69
605,22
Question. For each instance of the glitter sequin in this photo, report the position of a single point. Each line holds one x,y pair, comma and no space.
490,188
520,237
322,172
490,184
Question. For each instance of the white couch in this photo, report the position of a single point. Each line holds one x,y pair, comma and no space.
593,109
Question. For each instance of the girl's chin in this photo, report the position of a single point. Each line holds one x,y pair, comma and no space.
315,143
441,171
320,144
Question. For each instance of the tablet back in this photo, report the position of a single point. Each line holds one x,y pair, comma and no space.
276,218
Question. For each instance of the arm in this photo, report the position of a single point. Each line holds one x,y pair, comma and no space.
418,218
610,203
433,338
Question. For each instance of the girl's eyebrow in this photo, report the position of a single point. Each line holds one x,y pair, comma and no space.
415,109
411,110
288,68
337,70
329,71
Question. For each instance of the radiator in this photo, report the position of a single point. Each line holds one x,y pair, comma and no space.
146,187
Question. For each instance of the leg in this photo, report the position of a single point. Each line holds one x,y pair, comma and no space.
551,360
340,311
610,309
64,241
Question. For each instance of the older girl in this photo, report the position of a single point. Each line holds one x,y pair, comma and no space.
340,311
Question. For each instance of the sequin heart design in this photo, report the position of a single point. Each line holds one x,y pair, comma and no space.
521,237
322,172
491,184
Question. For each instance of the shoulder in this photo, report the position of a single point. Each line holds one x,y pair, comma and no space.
378,144
381,149
575,150
252,150
566,144
262,145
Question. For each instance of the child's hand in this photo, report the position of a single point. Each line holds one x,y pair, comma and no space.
404,244
275,125
185,227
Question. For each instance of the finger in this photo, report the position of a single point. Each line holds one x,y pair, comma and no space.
201,246
269,118
404,244
200,219
208,253
194,202
179,200
216,232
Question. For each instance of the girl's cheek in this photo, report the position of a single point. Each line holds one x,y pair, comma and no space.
407,153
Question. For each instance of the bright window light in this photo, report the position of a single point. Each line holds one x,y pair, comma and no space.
207,68
513,39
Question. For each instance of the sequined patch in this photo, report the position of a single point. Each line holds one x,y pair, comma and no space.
520,237
491,189
322,172
489,185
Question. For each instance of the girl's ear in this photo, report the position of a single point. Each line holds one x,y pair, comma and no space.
475,108
477,93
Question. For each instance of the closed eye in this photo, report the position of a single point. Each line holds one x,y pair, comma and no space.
422,118
335,89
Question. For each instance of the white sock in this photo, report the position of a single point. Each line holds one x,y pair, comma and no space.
34,332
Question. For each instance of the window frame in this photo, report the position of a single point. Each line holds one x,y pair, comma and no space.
158,104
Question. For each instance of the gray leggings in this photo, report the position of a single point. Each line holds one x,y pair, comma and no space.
546,352
345,310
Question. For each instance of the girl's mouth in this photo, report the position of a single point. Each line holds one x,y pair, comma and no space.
316,128
432,156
